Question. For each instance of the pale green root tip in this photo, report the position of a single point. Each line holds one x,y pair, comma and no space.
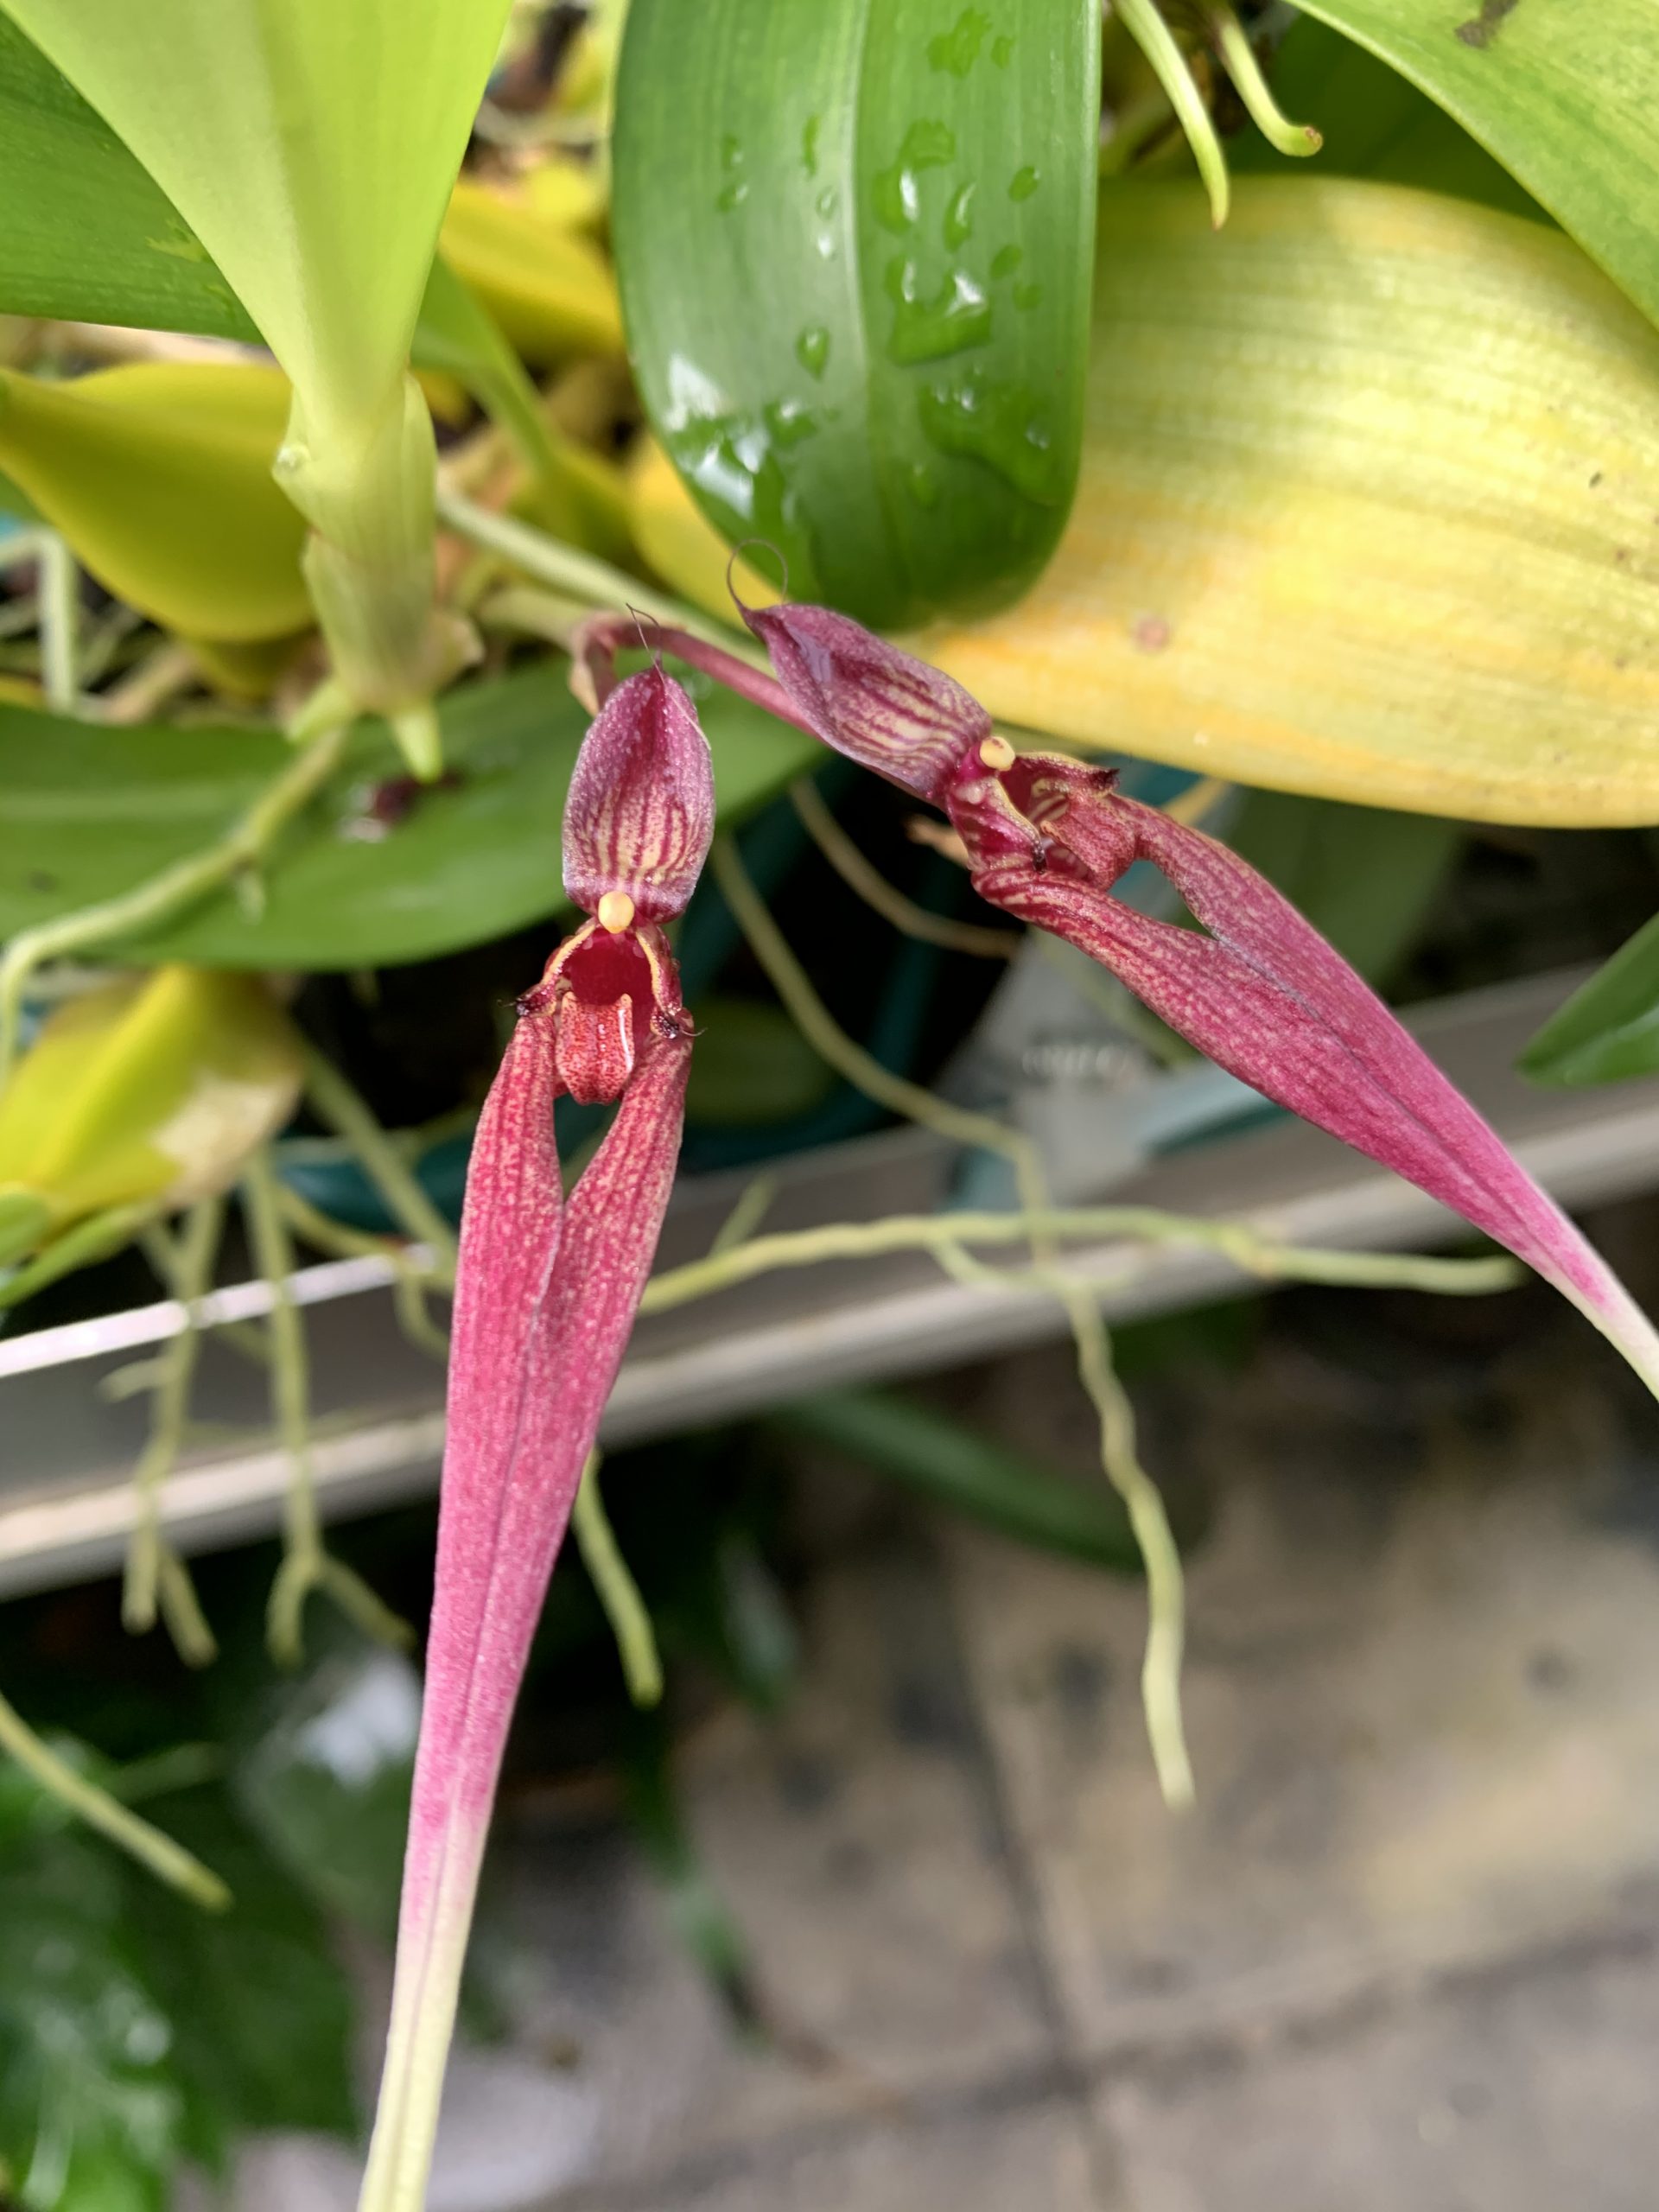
1147,26
1298,139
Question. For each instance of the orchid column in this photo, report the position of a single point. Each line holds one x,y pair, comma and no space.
545,1298
311,145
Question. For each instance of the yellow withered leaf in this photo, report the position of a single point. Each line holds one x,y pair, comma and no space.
1368,510
157,1086
158,473
551,290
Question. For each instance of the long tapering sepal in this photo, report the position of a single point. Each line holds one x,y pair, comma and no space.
532,1368
1261,992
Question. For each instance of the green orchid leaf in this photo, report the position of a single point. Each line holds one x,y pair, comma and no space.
1610,1027
261,2012
752,1066
1563,95
853,238
1366,510
1375,123
138,2031
91,2112
373,873
311,148
551,290
89,235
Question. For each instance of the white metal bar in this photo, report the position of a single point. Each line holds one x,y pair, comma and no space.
155,1325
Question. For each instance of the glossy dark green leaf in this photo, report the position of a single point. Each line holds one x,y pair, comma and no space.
88,235
1608,1028
89,813
854,239
1374,123
1563,92
1362,876
91,2110
262,2014
971,1473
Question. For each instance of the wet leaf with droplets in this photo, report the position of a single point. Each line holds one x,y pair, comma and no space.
853,238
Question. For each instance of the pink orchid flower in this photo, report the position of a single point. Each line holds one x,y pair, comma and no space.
1257,989
545,1298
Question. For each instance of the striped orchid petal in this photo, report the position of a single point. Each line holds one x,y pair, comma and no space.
883,708
641,807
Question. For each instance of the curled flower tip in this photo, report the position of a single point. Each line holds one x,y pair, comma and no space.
641,808
884,708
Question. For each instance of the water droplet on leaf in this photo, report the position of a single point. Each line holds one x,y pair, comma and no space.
1005,425
812,349
898,195
930,327
957,49
1024,181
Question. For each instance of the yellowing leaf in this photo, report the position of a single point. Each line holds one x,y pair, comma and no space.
570,193
551,291
158,473
155,1087
1367,511
678,543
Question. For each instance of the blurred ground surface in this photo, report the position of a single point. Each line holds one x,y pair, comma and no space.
1401,1959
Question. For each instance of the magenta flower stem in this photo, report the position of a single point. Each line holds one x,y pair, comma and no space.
602,637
